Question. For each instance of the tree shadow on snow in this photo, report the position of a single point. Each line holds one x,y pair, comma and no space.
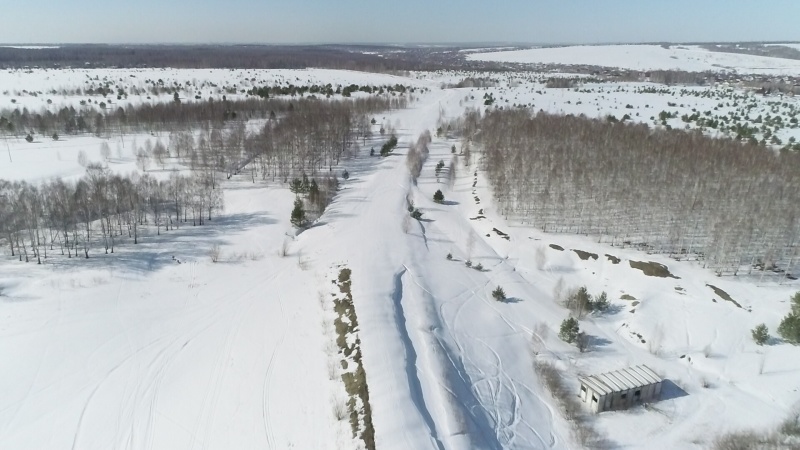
154,252
598,342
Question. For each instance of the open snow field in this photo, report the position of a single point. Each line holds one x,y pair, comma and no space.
54,89
138,350
690,58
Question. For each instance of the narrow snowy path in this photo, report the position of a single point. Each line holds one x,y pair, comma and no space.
447,368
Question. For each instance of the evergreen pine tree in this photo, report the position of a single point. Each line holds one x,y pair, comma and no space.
600,303
569,330
760,334
789,328
499,294
298,214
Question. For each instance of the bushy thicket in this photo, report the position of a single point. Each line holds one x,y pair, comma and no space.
99,210
760,334
211,138
729,203
418,154
107,119
789,327
785,437
580,302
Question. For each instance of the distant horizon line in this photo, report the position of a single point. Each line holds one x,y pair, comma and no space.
388,44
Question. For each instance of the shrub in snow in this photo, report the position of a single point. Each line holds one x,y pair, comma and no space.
468,263
214,253
387,148
789,328
346,175
760,334
498,294
29,138
600,302
438,197
582,341
569,330
579,301
416,214
449,256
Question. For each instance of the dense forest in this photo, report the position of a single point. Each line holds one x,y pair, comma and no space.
369,58
729,203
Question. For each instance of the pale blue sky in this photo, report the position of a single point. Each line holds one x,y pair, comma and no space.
407,21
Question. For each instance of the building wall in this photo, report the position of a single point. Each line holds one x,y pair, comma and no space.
620,400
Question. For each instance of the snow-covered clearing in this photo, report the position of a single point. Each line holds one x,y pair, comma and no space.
647,57
140,350
53,89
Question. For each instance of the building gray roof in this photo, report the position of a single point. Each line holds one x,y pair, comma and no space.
621,380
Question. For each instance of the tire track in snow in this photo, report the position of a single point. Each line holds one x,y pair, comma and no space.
412,375
460,379
487,389
268,381
218,373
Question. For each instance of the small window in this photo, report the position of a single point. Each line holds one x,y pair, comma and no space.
583,388
637,393
624,396
594,399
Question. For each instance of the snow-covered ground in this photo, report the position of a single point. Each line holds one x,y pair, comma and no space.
53,89
794,45
647,57
138,350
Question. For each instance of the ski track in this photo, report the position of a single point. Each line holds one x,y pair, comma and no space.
414,383
142,403
268,381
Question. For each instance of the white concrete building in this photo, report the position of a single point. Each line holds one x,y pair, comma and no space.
620,389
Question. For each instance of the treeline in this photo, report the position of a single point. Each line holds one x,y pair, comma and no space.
99,211
729,203
170,116
327,90
368,58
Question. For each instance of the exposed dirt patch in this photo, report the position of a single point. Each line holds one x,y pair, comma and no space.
355,381
585,255
627,297
477,218
501,234
613,259
723,295
557,247
653,269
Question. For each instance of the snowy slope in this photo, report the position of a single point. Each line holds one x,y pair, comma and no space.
136,350
647,57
